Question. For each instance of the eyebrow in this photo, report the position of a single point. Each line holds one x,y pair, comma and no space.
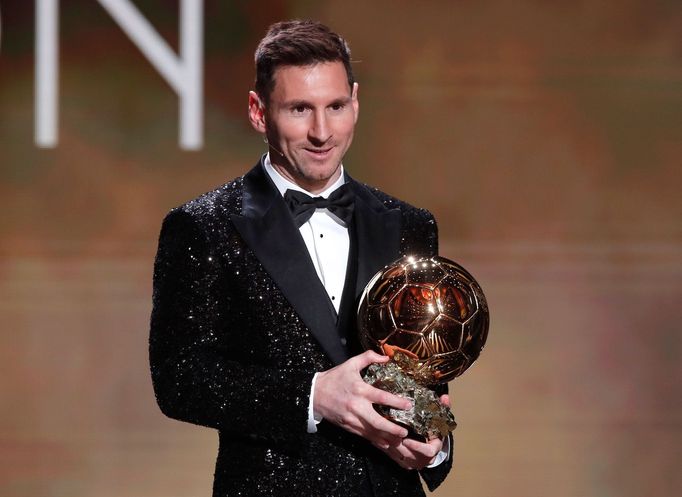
306,103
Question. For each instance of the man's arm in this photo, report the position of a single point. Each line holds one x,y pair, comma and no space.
196,377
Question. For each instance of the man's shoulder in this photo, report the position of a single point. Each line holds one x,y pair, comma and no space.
224,200
407,210
419,231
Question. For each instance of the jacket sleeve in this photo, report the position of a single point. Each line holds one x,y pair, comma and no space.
420,233
433,477
196,377
431,229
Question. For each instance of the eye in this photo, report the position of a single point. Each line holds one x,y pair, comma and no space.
338,106
299,109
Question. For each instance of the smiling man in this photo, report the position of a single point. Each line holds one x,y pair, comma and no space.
255,290
308,119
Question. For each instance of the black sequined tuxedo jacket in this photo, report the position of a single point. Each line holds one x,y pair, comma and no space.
241,322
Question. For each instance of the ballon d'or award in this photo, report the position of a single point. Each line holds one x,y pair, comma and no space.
430,316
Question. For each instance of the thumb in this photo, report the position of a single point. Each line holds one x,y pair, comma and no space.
369,357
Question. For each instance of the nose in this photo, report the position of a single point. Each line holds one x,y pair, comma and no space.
320,131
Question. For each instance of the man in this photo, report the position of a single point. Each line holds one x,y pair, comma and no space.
255,290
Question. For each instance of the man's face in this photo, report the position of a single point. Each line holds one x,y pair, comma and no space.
308,122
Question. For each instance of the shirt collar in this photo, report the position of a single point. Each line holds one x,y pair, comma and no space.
283,184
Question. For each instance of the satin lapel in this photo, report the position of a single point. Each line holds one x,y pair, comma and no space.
269,230
378,234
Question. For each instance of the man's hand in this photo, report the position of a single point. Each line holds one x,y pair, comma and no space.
342,398
411,454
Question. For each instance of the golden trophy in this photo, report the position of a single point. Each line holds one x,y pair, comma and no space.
431,317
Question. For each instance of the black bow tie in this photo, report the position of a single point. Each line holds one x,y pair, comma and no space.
302,206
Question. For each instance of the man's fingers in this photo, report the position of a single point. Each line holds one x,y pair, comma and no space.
368,357
407,457
385,445
403,456
383,425
375,427
380,437
378,396
361,409
428,450
345,400
381,444
445,400
411,454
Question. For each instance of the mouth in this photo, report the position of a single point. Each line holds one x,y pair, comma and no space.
319,153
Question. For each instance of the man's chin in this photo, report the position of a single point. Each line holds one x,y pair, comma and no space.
320,178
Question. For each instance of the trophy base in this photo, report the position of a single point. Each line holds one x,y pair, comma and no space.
428,418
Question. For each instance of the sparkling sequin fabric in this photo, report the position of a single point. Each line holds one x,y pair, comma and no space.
229,351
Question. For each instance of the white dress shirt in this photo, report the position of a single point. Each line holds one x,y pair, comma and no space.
325,236
327,240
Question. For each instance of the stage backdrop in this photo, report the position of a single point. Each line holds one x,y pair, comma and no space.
545,136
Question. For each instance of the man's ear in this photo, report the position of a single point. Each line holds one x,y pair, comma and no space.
355,101
256,112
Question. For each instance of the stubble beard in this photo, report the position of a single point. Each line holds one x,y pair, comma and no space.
305,173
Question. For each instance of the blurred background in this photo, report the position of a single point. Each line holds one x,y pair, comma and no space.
546,137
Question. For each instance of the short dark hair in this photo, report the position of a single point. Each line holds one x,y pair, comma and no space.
297,43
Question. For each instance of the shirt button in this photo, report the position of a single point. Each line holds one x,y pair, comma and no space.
343,341
321,235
